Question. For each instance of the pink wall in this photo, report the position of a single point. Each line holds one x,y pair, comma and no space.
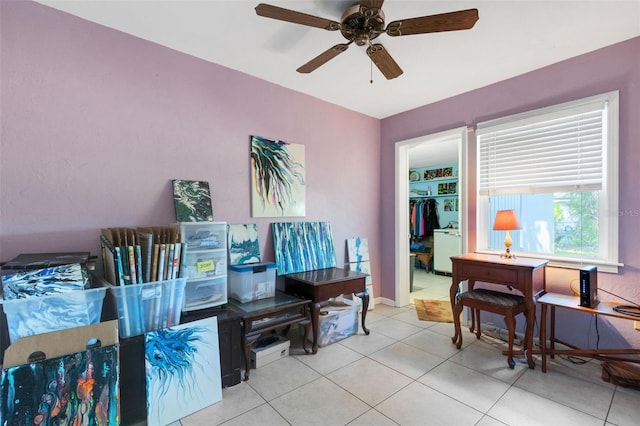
96,124
616,67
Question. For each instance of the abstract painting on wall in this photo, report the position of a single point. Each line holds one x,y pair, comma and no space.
243,243
79,389
278,178
358,253
303,246
183,370
192,200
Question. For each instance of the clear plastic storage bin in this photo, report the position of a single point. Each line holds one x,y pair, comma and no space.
43,314
148,306
338,320
252,281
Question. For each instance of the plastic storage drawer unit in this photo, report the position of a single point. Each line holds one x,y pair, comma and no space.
205,266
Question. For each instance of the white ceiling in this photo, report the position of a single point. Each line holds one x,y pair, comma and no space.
510,38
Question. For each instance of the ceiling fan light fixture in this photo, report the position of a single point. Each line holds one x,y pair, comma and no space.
361,39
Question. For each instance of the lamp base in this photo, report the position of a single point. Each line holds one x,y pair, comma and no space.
508,255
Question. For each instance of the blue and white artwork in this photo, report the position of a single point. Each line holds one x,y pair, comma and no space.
303,246
358,252
243,244
183,370
46,281
278,178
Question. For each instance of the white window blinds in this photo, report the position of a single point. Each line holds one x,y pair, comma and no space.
558,149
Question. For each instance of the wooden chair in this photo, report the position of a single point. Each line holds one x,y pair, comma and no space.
424,255
506,304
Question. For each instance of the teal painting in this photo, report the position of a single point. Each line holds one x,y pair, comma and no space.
243,244
303,246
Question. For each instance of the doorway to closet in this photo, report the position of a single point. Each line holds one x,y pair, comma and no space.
422,154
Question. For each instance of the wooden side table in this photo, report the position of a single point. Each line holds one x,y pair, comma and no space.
554,300
321,285
267,314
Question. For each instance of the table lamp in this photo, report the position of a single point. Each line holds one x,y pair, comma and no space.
506,220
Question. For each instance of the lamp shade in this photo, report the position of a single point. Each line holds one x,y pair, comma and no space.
506,220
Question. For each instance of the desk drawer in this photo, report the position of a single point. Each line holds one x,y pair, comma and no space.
488,274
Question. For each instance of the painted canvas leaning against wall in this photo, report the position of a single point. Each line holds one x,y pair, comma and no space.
278,178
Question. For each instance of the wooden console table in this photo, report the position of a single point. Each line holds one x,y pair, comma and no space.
525,275
267,314
323,284
554,301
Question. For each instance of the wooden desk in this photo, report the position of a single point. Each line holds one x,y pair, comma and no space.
267,314
525,275
554,301
323,284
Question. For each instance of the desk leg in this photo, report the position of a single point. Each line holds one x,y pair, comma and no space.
453,291
365,306
315,320
249,341
530,315
307,327
552,332
543,336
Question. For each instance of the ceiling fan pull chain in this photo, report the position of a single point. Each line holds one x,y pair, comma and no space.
371,70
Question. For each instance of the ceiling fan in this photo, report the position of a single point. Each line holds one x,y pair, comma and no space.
362,23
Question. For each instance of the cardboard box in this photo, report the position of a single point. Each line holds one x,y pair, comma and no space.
62,377
252,281
262,355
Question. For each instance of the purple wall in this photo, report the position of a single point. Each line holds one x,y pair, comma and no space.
616,67
96,124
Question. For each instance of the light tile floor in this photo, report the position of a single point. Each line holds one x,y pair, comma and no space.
407,372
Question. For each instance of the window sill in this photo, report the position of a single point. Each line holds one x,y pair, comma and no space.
564,262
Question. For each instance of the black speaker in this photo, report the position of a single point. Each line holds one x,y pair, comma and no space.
589,286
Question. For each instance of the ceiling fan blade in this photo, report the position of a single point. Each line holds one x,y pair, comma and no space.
452,21
287,15
323,58
383,60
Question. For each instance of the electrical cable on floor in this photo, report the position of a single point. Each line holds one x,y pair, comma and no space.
574,359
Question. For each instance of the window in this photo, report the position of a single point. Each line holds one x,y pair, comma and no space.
557,167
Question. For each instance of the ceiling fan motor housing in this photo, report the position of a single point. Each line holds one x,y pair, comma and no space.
362,24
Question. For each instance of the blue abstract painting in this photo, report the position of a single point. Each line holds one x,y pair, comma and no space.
45,281
278,179
358,253
183,370
243,244
303,246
